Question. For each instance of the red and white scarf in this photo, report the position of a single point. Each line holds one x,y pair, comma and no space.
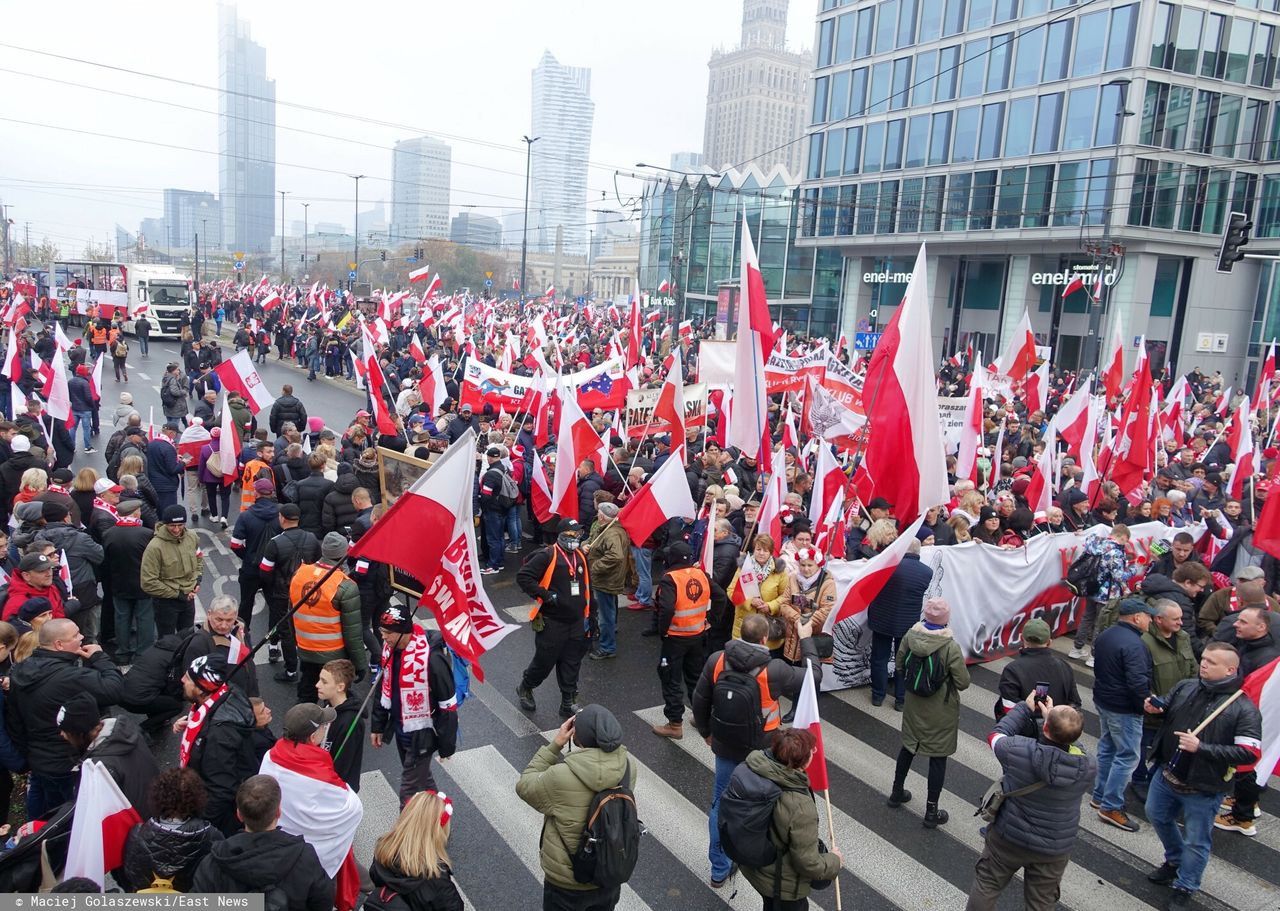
99,503
415,696
128,521
195,721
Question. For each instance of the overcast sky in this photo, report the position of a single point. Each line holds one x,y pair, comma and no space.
456,70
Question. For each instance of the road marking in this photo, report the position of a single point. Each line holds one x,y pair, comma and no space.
515,720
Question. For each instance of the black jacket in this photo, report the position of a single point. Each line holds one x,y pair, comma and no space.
41,685
287,470
442,737
1209,769
165,848
1254,653
282,866
204,642
337,512
282,556
587,488
1122,670
438,894
253,529
11,471
558,601
224,755
1031,667
122,548
899,604
155,675
348,764
368,479
311,493
288,408
127,757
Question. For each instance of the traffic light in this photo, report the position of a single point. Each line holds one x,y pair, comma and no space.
420,253
383,255
1233,240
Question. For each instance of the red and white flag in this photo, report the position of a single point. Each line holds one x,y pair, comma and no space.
1076,284
13,360
433,287
749,426
550,292
904,456
228,444
769,520
1019,356
1072,418
828,482
1036,389
1040,491
857,584
95,378
635,329
806,719
1112,366
971,432
103,818
540,490
1263,687
238,374
664,496
271,301
1240,439
670,407
374,377
318,805
576,441
419,275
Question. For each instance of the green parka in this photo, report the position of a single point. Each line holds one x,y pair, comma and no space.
1170,662
609,558
171,566
930,723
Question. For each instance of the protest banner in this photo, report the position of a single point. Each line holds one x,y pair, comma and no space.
640,404
951,412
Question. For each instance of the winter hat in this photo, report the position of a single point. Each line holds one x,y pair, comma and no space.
315,425
333,547
596,726
608,510
396,619
19,443
53,512
264,487
61,476
174,515
208,672
30,511
128,507
923,532
937,611
82,370
79,714
1036,632
126,398
34,607
1020,485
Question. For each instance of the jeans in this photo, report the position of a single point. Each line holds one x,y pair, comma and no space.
1084,632
313,366
1143,772
607,615
495,524
128,612
144,344
1117,756
84,423
883,648
174,614
513,527
1189,852
47,792
720,863
644,590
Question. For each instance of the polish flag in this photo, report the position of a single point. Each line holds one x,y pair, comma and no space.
828,535
228,444
634,330
550,292
685,331
238,374
236,651
904,455
374,377
1222,404
1113,365
1266,534
540,490
1040,490
432,388
12,360
103,818
828,483
59,396
1263,687
434,287
415,349
318,805
95,378
1072,418
271,301
1076,284
664,286
806,718
1036,389
841,344
1097,287
419,275
670,407
1266,377
1240,439
971,433
1133,444
576,441
769,519
664,496
857,584
1019,357
750,425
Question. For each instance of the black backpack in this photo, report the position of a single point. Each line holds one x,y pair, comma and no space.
1082,575
925,674
737,720
610,843
384,898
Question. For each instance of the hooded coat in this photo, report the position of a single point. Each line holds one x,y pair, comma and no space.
171,566
930,724
282,866
337,513
436,894
119,746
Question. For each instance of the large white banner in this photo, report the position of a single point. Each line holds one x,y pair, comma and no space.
951,412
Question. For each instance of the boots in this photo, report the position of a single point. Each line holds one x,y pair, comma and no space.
933,817
526,698
899,797
672,729
569,705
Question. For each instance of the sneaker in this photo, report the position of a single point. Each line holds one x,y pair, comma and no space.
1229,806
877,700
1120,819
1078,653
1095,804
638,605
275,653
286,676
89,449
597,655
898,704
1163,875
719,883
489,571
513,549
1228,823
1180,898
1088,662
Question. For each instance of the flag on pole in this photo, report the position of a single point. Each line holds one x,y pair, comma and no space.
103,818
419,275
806,719
1019,356
750,425
858,583
664,496
1263,687
238,374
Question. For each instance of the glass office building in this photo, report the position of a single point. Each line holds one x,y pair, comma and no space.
1012,135
691,236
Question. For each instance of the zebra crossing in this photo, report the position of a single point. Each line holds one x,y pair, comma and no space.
891,861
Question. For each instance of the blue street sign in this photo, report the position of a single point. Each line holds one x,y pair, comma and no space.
351,276
238,265
865,341
488,283
581,300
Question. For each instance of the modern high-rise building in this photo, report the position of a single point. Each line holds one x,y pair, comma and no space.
246,138
563,113
1030,143
756,95
191,212
420,174
475,230
685,161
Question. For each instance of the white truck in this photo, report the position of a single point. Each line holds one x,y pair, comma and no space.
124,289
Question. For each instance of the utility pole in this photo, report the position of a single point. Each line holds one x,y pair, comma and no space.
26,244
305,207
355,233
524,234
8,227
282,273
197,270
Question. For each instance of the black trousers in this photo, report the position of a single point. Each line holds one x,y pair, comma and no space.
173,614
308,677
1246,792
415,769
561,647
250,584
556,899
276,609
680,662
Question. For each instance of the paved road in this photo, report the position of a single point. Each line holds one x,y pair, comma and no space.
892,861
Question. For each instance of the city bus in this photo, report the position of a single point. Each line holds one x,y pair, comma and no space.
125,289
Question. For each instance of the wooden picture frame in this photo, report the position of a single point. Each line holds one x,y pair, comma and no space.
397,472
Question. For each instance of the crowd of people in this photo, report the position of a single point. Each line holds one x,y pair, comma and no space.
104,573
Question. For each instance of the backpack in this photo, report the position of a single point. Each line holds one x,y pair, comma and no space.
1082,575
993,800
384,898
508,493
925,674
736,717
610,843
159,884
121,350
290,487
746,818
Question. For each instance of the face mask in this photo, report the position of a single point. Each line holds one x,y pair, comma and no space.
568,542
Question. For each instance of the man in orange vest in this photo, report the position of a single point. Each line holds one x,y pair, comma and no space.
683,596
557,578
257,467
327,625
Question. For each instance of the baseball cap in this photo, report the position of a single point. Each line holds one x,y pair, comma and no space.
305,718
1036,632
1131,606
106,485
34,563
291,512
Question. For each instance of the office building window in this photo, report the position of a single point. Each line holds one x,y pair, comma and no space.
865,31
1006,10
998,66
886,25
858,91
990,134
1109,116
1215,203
979,14
931,20
1091,44
1048,121
1195,182
948,60
820,94
815,156
1263,71
907,10
834,154
1039,197
1213,55
940,137
1226,126
878,103
1142,196
887,208
1099,182
983,203
1239,46
893,145
827,211
917,152
926,73
868,197
1124,21
966,140
1022,115
1202,121
843,52
1161,37
1073,182
839,106
1013,182
958,202
844,216
1057,51
1269,210
1186,42
1249,145
1079,124
909,205
1166,202
931,206
973,71
825,31
852,149
873,148
953,20
901,83
1029,57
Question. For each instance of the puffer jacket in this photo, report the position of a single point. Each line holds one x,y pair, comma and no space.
41,685
337,511
794,833
224,755
253,529
930,724
1172,661
1121,670
774,589
287,408
1231,740
562,792
898,606
369,479
1046,820
436,894
609,558
171,566
311,493
171,848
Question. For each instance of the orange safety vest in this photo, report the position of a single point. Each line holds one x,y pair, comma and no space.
99,335
317,625
573,564
250,474
693,597
768,705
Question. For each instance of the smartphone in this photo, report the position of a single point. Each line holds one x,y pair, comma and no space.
1158,702
1042,691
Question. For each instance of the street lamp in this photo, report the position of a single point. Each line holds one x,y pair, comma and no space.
282,193
524,233
355,233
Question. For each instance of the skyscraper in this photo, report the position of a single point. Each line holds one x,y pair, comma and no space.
246,137
756,95
420,174
191,212
562,117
